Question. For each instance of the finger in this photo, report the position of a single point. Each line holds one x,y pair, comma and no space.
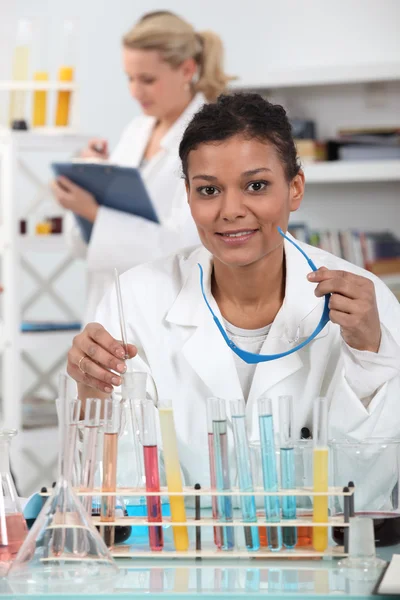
80,377
69,185
93,370
340,318
324,274
342,304
101,336
132,350
338,286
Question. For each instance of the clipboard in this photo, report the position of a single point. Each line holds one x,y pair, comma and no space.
119,188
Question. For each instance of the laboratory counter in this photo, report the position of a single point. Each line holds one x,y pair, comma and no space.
215,578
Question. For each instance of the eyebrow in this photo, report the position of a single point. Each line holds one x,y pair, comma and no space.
244,174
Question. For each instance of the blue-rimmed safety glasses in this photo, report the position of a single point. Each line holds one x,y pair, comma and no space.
250,357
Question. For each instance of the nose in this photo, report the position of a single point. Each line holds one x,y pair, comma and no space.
232,206
134,89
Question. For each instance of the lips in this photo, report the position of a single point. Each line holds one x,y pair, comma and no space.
237,234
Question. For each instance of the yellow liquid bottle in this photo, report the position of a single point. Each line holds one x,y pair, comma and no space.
65,74
174,481
39,111
19,73
320,534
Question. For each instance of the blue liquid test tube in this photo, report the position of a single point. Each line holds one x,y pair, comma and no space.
270,475
288,475
222,470
248,503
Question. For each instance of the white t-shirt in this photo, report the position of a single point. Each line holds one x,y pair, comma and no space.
250,340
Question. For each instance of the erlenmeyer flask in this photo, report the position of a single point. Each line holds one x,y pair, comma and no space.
13,529
63,548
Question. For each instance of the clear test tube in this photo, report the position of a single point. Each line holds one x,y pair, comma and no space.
222,477
75,411
66,71
270,475
91,425
320,457
213,481
152,473
248,503
112,418
288,474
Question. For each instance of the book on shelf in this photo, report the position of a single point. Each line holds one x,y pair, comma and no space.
378,252
38,326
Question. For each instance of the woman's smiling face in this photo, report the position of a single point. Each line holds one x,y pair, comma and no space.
239,195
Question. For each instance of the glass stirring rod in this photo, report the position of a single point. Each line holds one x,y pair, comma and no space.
122,325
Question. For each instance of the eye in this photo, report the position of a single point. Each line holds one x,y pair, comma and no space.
148,80
207,190
257,186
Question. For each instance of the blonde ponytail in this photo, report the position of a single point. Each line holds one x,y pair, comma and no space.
176,40
212,78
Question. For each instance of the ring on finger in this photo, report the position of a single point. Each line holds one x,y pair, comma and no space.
80,363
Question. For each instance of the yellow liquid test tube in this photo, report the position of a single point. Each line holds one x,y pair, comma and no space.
174,480
65,74
320,456
39,101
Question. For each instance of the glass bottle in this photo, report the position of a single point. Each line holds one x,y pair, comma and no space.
13,528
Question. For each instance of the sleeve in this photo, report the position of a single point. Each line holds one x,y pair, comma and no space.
75,243
121,240
365,389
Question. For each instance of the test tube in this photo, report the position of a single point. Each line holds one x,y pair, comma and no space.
320,452
248,503
112,417
90,430
288,475
133,390
173,474
150,453
220,439
270,475
213,481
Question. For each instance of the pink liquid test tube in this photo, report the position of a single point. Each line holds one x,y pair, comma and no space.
150,452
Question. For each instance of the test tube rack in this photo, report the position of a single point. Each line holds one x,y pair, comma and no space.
208,550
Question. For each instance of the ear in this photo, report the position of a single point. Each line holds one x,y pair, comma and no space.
187,189
189,68
296,191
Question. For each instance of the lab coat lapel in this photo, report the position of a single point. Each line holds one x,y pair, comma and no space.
205,350
295,321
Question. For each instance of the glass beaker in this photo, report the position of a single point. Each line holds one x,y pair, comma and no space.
13,528
63,547
373,466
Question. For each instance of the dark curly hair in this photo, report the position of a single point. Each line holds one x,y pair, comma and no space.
247,114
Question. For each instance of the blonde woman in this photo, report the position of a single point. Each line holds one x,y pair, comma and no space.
172,71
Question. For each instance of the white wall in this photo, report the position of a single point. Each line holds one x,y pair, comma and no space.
259,35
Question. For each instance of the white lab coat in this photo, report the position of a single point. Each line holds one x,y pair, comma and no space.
180,345
121,240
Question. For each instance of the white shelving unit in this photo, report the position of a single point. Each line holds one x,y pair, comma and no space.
352,172
40,354
13,250
360,195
